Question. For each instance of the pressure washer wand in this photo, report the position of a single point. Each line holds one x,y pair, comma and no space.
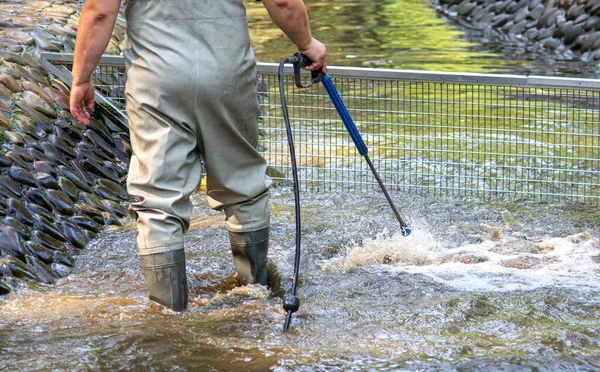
360,145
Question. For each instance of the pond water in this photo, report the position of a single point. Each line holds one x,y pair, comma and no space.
411,34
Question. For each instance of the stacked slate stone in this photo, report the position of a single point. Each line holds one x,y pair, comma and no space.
555,24
60,182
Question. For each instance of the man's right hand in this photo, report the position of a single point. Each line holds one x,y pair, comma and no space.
82,96
317,53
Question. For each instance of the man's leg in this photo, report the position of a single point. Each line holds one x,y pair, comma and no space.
164,171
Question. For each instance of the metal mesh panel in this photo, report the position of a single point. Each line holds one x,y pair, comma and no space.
461,134
110,82
442,139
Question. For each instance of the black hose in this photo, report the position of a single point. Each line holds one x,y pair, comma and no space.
291,302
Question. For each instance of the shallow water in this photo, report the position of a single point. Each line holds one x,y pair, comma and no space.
479,285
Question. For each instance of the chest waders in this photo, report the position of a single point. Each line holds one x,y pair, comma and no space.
192,99
291,304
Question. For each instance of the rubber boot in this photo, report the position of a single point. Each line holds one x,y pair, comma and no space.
166,278
250,256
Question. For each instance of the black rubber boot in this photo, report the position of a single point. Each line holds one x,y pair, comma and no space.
250,256
166,278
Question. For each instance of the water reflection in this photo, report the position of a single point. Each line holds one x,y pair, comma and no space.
411,34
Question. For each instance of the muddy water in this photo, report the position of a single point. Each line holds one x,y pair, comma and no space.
477,286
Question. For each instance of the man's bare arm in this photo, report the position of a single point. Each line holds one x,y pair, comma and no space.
96,25
291,17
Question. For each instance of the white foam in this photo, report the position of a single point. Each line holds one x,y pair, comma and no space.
492,265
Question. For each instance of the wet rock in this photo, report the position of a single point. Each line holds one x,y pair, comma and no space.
114,208
45,274
31,60
110,219
10,83
33,87
42,122
18,210
14,137
26,125
23,230
21,175
17,159
86,223
51,152
43,42
74,234
45,167
42,253
68,188
38,155
38,197
98,169
59,201
5,161
62,146
9,56
10,185
46,240
90,211
37,103
17,269
20,36
46,226
5,94
74,178
11,243
63,258
115,188
573,34
37,209
4,288
58,97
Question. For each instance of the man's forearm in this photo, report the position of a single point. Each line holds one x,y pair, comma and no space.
290,16
95,29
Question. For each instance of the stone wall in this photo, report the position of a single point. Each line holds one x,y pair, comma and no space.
558,25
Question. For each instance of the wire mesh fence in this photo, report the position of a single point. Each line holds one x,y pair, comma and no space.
493,136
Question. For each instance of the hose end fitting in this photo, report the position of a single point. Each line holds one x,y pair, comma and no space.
291,303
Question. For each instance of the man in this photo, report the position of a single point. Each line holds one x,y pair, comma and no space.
191,95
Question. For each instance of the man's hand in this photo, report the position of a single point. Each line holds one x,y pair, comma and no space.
82,96
317,53
291,17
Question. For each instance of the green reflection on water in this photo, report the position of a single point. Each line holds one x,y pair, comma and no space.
406,34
